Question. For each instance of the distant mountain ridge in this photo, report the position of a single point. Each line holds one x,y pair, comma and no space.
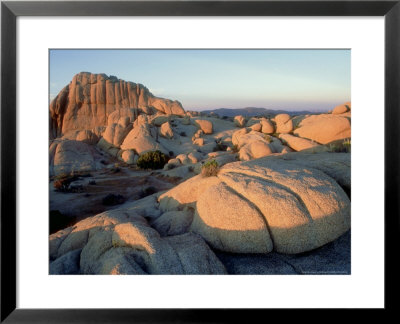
253,111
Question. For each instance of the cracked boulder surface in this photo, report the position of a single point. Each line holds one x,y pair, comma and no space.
269,204
280,214
121,241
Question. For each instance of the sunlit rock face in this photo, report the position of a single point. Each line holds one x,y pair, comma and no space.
324,128
89,99
297,143
282,203
284,123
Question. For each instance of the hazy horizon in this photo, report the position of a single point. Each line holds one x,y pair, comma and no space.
313,80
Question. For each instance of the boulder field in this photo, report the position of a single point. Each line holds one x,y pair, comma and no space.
285,204
279,201
97,119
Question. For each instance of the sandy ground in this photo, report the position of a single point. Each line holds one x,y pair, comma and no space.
131,184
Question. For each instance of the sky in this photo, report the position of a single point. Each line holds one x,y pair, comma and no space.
314,80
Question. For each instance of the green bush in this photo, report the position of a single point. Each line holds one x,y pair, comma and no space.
235,148
152,160
210,169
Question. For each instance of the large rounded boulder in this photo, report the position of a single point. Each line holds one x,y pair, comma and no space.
269,203
205,125
324,128
284,123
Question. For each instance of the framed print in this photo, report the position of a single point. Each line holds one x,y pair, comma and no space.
206,143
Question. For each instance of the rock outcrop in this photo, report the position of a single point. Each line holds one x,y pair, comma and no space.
69,156
254,145
85,136
205,125
267,126
122,242
142,139
297,143
239,121
284,123
115,133
129,157
341,109
270,203
89,100
324,128
166,130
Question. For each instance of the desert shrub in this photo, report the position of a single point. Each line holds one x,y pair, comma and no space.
183,134
112,200
152,160
171,153
344,147
347,144
210,169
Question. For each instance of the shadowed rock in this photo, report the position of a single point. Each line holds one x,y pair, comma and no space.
332,259
122,242
70,156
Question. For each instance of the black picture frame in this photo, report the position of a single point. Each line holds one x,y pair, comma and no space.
10,10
